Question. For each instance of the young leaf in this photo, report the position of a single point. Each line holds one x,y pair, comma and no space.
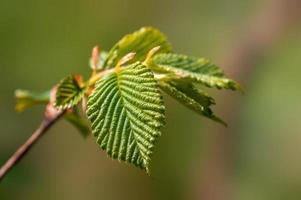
140,42
194,69
26,99
191,97
126,112
75,118
69,92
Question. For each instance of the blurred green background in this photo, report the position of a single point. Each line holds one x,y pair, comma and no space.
43,41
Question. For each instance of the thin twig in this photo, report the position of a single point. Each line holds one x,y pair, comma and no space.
51,116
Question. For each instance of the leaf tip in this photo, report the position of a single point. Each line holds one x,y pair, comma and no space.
219,120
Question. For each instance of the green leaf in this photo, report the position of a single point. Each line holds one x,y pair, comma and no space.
193,69
191,97
126,112
140,42
26,99
77,120
69,92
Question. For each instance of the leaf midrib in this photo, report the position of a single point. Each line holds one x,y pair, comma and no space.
130,122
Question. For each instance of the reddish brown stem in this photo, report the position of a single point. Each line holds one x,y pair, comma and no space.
50,118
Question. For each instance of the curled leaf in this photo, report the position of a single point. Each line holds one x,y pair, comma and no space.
69,92
193,98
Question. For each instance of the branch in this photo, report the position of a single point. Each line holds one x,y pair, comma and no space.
50,117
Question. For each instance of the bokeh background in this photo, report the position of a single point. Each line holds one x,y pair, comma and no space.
256,158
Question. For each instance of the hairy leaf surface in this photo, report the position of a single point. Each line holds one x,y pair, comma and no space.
194,69
126,113
191,97
69,92
139,42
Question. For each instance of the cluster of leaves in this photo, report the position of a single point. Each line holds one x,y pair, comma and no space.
123,99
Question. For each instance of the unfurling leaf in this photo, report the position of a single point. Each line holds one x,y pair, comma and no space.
139,42
191,97
193,69
26,99
122,98
126,112
69,92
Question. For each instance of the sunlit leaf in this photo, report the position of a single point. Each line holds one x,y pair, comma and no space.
126,112
193,69
139,42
